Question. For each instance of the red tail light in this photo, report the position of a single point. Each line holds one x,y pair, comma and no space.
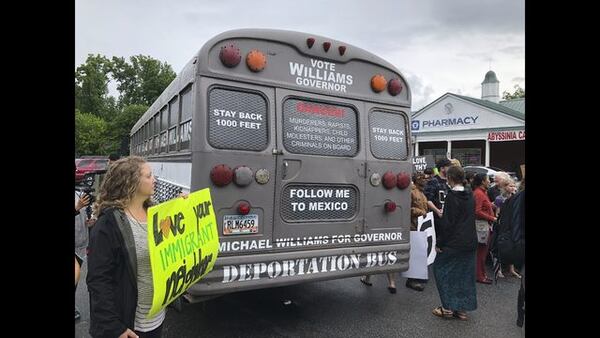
403,181
230,55
243,208
394,87
389,180
221,175
390,206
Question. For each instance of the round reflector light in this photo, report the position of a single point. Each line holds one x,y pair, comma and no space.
403,181
375,179
221,175
390,206
256,60
242,176
394,87
389,180
230,55
378,83
243,208
262,176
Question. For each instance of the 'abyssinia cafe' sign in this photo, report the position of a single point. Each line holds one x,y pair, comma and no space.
183,242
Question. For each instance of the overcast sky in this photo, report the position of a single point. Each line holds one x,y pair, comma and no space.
439,45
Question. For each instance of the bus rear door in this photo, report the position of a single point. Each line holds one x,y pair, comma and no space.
389,175
320,170
239,140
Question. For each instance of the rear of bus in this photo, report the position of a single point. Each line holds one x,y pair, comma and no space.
303,142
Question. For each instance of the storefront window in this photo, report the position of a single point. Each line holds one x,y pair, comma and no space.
436,153
467,156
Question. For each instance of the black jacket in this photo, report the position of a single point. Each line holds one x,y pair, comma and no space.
436,191
112,275
457,225
493,192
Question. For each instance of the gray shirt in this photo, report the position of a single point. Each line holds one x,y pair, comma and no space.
81,232
144,279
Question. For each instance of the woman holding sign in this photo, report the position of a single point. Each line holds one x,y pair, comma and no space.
119,277
456,244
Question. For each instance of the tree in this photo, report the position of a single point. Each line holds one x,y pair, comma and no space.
519,93
102,122
122,124
90,134
141,80
91,87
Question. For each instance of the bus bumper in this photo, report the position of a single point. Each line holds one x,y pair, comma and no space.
259,271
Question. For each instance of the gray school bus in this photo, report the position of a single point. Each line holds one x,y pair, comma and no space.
304,143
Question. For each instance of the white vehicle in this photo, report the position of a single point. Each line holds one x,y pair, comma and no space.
490,171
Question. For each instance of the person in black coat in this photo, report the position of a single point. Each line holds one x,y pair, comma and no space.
119,277
456,244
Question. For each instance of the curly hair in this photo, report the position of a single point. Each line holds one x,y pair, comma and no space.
120,184
419,179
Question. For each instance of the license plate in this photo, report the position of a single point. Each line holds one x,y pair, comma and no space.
240,224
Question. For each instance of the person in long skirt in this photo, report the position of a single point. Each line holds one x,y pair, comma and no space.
454,266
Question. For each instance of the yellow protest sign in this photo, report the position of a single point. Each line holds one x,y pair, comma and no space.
183,242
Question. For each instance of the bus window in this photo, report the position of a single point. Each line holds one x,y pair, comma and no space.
150,135
319,129
137,142
145,139
340,202
387,135
164,123
237,120
185,127
156,133
173,116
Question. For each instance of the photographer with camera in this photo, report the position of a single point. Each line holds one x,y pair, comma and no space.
81,237
90,186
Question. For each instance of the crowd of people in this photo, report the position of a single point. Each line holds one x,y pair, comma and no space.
119,280
466,208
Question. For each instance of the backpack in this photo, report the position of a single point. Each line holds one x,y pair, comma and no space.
509,239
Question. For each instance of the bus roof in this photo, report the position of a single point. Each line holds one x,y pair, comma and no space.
285,50
297,40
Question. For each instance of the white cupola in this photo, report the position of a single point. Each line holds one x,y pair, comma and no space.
490,88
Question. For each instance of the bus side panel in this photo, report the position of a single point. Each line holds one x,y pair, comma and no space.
178,172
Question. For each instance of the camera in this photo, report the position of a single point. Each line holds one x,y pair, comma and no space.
89,191
89,186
